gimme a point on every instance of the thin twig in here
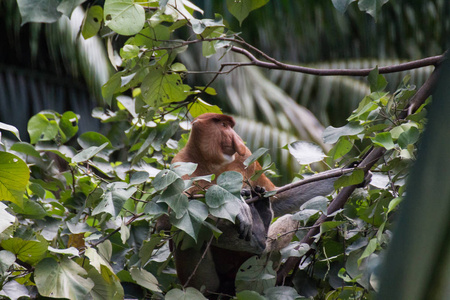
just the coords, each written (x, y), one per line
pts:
(199, 262)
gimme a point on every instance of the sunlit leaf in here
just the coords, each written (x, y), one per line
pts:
(306, 152)
(200, 107)
(14, 176)
(11, 129)
(64, 279)
(6, 219)
(27, 251)
(124, 16)
(92, 22)
(41, 128)
(159, 88)
(145, 279)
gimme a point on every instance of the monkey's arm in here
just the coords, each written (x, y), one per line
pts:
(290, 201)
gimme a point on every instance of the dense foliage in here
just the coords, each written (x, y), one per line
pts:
(78, 213)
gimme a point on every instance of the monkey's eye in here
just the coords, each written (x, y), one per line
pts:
(224, 125)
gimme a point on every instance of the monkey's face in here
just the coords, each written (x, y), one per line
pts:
(216, 139)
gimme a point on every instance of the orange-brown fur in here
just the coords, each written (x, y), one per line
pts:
(212, 136)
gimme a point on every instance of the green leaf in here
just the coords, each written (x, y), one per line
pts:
(114, 198)
(281, 292)
(145, 279)
(251, 295)
(68, 6)
(175, 198)
(341, 5)
(187, 294)
(327, 226)
(88, 153)
(139, 177)
(42, 11)
(30, 252)
(342, 147)
(161, 88)
(224, 199)
(178, 67)
(124, 16)
(26, 149)
(318, 203)
(7, 259)
(371, 247)
(111, 87)
(31, 209)
(107, 286)
(201, 26)
(11, 129)
(6, 219)
(409, 137)
(372, 7)
(394, 203)
(183, 168)
(356, 177)
(200, 107)
(255, 156)
(91, 138)
(14, 176)
(72, 251)
(241, 9)
(98, 262)
(377, 82)
(62, 280)
(151, 37)
(68, 125)
(92, 21)
(306, 152)
(128, 52)
(331, 134)
(192, 220)
(41, 128)
(165, 178)
(209, 90)
(256, 274)
(384, 139)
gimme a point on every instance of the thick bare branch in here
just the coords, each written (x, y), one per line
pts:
(276, 65)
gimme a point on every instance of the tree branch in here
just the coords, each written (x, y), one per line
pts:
(276, 65)
(313, 178)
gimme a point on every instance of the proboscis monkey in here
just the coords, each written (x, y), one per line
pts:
(215, 147)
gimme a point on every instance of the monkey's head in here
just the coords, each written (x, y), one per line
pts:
(214, 137)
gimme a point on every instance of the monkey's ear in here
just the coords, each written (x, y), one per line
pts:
(238, 145)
